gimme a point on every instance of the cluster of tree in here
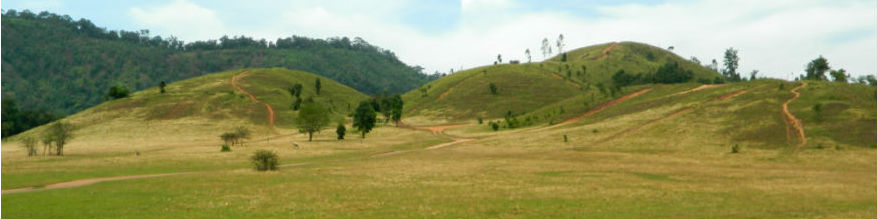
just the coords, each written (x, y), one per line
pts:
(63, 65)
(547, 50)
(53, 138)
(236, 136)
(389, 106)
(669, 73)
(312, 117)
(17, 120)
(817, 68)
(117, 92)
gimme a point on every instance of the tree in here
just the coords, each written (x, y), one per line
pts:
(546, 48)
(29, 144)
(116, 92)
(753, 75)
(364, 118)
(296, 105)
(60, 133)
(731, 63)
(622, 79)
(492, 88)
(242, 132)
(317, 86)
(839, 75)
(398, 105)
(312, 117)
(340, 130)
(161, 86)
(295, 90)
(816, 69)
(498, 58)
(714, 65)
(527, 53)
(560, 44)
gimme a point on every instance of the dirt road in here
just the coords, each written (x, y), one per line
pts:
(253, 98)
(791, 119)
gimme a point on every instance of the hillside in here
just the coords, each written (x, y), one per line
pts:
(211, 103)
(586, 76)
(63, 65)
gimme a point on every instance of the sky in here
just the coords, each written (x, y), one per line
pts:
(777, 37)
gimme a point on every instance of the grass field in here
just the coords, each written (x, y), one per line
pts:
(665, 153)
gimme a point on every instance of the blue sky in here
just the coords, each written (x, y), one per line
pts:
(776, 37)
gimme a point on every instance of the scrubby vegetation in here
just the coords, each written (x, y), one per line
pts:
(264, 160)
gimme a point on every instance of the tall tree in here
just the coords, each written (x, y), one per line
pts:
(816, 69)
(161, 86)
(731, 63)
(397, 109)
(312, 117)
(527, 53)
(546, 47)
(317, 86)
(60, 133)
(560, 44)
(498, 58)
(340, 130)
(364, 118)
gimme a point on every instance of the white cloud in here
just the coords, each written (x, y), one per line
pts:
(183, 19)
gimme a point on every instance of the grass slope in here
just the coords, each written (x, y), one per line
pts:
(525, 88)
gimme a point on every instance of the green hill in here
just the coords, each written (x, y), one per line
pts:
(62, 65)
(587, 75)
(210, 102)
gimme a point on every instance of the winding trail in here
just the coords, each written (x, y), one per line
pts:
(701, 87)
(436, 130)
(793, 121)
(253, 98)
(85, 182)
(567, 81)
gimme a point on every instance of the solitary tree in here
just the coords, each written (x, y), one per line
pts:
(731, 64)
(116, 92)
(397, 109)
(560, 43)
(317, 86)
(498, 58)
(242, 133)
(527, 53)
(753, 75)
(839, 75)
(297, 104)
(264, 160)
(816, 69)
(340, 130)
(546, 48)
(364, 118)
(312, 117)
(492, 88)
(295, 90)
(29, 144)
(161, 86)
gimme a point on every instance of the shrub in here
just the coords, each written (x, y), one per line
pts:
(480, 120)
(264, 160)
(340, 130)
(225, 148)
(564, 138)
(735, 149)
(819, 146)
(494, 126)
(493, 88)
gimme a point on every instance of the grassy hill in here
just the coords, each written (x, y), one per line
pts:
(210, 102)
(586, 75)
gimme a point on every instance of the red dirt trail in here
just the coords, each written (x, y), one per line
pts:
(606, 51)
(253, 98)
(791, 119)
(605, 105)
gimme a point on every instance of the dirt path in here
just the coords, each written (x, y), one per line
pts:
(85, 182)
(606, 51)
(701, 87)
(253, 98)
(791, 120)
(604, 106)
(567, 81)
(436, 130)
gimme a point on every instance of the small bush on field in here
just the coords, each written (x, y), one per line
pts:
(264, 160)
(735, 149)
(225, 148)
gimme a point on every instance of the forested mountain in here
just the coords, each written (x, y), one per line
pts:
(63, 65)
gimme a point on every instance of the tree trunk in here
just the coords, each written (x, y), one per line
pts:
(310, 136)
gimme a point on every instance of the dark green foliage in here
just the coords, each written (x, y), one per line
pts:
(563, 57)
(511, 120)
(839, 75)
(731, 63)
(480, 121)
(364, 118)
(492, 87)
(816, 69)
(16, 120)
(236, 136)
(735, 149)
(29, 144)
(264, 160)
(397, 106)
(312, 117)
(296, 105)
(564, 138)
(161, 86)
(295, 90)
(671, 73)
(116, 92)
(225, 148)
(718, 80)
(493, 125)
(63, 65)
(317, 86)
(340, 130)
(622, 79)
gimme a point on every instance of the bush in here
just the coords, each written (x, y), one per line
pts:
(225, 148)
(264, 160)
(480, 121)
(494, 125)
(492, 87)
(735, 149)
(564, 138)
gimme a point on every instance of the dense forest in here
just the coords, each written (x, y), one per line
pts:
(61, 65)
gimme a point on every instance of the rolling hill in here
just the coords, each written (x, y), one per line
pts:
(522, 88)
(213, 103)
